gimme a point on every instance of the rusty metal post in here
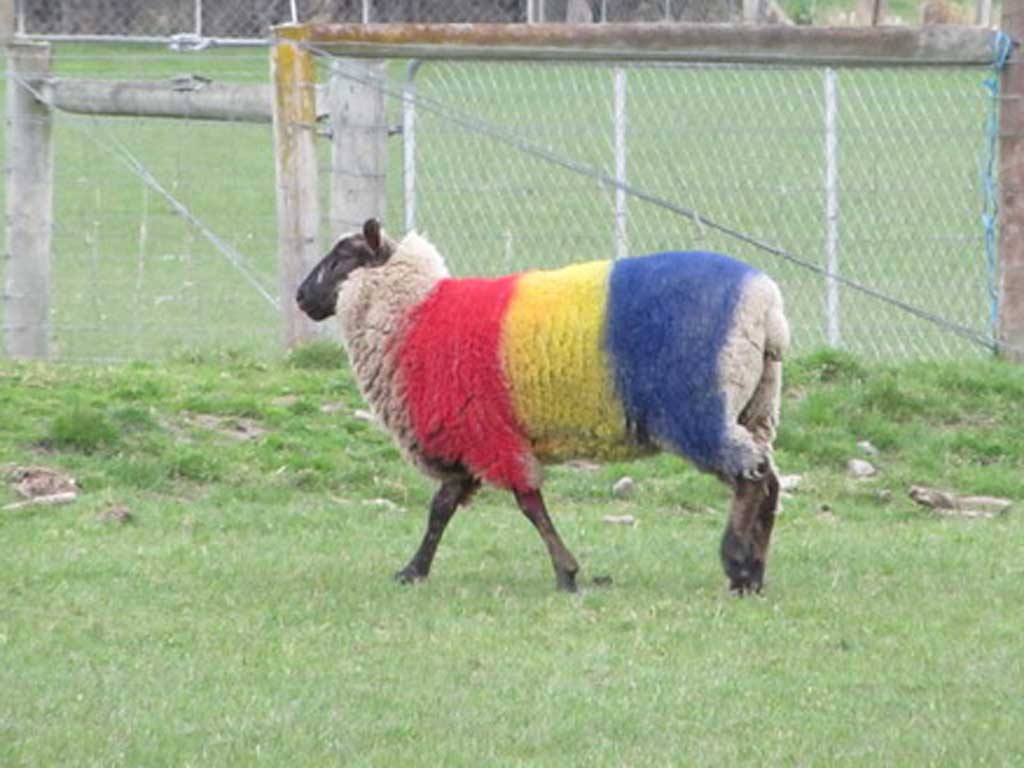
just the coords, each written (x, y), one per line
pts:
(293, 72)
(1010, 330)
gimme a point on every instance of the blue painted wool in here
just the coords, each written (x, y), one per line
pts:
(669, 316)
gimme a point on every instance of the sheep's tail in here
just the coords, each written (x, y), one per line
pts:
(760, 415)
(776, 327)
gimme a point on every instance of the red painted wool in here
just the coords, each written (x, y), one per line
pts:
(455, 388)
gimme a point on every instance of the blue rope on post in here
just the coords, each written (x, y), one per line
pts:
(1002, 47)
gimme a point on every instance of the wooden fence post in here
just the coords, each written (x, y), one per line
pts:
(359, 151)
(1011, 190)
(293, 72)
(29, 153)
(6, 20)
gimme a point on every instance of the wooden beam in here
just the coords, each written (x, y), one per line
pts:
(359, 148)
(29, 204)
(1010, 318)
(293, 72)
(838, 46)
(6, 21)
(187, 98)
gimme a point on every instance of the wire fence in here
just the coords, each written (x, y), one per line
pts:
(867, 193)
(163, 231)
(244, 20)
(864, 192)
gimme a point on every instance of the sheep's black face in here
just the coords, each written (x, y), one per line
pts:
(748, 532)
(318, 294)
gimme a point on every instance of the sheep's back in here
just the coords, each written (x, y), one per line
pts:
(670, 316)
(558, 367)
(454, 385)
(604, 359)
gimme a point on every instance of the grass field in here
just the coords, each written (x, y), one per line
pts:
(246, 615)
(744, 147)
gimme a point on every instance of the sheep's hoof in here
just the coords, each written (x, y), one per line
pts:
(566, 581)
(409, 576)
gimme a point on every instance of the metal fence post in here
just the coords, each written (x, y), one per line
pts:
(29, 153)
(832, 332)
(619, 119)
(409, 144)
(293, 72)
(1011, 190)
(359, 153)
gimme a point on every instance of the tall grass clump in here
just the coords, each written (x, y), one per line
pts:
(82, 428)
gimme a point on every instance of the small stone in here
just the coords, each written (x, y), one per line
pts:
(867, 447)
(788, 483)
(624, 487)
(385, 504)
(619, 519)
(860, 469)
(363, 415)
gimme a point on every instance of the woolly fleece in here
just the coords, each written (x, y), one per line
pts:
(675, 351)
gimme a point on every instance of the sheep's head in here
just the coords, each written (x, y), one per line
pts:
(749, 530)
(318, 294)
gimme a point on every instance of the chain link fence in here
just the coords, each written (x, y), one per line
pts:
(874, 176)
(245, 20)
(163, 231)
(864, 191)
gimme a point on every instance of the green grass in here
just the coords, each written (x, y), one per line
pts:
(741, 146)
(247, 614)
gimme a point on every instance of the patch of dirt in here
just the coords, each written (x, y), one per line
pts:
(116, 514)
(236, 427)
(34, 482)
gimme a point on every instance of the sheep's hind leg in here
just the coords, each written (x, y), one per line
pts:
(532, 505)
(449, 496)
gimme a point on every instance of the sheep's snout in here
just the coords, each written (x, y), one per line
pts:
(741, 564)
(749, 530)
(318, 304)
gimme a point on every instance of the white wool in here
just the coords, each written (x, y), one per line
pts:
(371, 305)
(750, 368)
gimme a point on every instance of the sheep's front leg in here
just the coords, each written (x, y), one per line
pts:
(532, 505)
(749, 529)
(450, 495)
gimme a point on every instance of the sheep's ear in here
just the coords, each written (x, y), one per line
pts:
(371, 231)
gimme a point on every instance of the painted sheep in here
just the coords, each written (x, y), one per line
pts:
(484, 380)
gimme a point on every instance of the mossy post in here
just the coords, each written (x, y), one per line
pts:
(29, 153)
(1011, 190)
(293, 72)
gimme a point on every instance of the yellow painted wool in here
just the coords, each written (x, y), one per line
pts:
(556, 365)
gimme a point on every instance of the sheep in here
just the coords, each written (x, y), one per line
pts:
(484, 380)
